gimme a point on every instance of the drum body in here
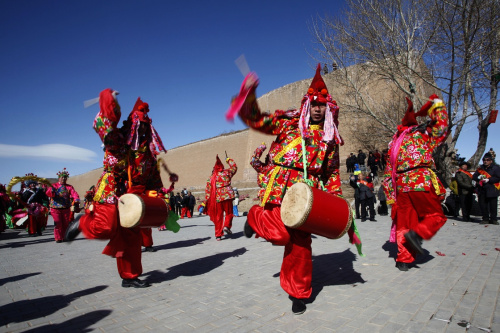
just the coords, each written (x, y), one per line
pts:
(142, 211)
(315, 211)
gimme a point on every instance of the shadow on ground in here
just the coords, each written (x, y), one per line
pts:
(392, 248)
(183, 243)
(17, 278)
(80, 323)
(194, 267)
(333, 269)
(25, 310)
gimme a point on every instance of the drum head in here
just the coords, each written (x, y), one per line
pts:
(130, 209)
(296, 205)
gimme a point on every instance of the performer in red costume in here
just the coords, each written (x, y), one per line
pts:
(62, 197)
(306, 136)
(129, 167)
(219, 197)
(411, 185)
(144, 175)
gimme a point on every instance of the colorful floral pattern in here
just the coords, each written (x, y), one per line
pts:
(61, 196)
(286, 166)
(414, 162)
(223, 189)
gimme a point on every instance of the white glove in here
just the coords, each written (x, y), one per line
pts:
(485, 180)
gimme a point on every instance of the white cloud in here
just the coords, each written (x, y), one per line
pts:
(56, 151)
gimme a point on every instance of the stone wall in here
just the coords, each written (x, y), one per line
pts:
(194, 162)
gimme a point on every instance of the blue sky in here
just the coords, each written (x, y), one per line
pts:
(177, 56)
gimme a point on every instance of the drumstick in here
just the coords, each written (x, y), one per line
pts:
(173, 176)
(90, 102)
(242, 65)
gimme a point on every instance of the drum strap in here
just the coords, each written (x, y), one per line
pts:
(276, 159)
(101, 188)
(304, 163)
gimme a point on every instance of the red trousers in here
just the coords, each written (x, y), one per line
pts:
(125, 243)
(147, 237)
(221, 208)
(296, 268)
(420, 212)
(185, 211)
(35, 224)
(61, 221)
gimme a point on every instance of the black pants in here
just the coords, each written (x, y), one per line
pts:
(466, 205)
(364, 204)
(357, 202)
(383, 208)
(456, 200)
(489, 207)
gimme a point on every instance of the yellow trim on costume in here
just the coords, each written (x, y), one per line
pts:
(100, 190)
(435, 182)
(288, 147)
(315, 127)
(276, 159)
(434, 106)
(269, 185)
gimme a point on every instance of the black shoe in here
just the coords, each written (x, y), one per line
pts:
(494, 222)
(402, 266)
(373, 220)
(298, 306)
(58, 241)
(414, 241)
(247, 230)
(149, 249)
(228, 231)
(136, 283)
(73, 230)
(363, 220)
(483, 222)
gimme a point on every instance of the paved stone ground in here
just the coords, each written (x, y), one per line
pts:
(202, 285)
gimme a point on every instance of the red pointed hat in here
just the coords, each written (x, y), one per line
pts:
(138, 115)
(218, 165)
(140, 112)
(109, 114)
(317, 90)
(409, 119)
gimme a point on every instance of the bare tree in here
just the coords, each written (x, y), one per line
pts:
(388, 49)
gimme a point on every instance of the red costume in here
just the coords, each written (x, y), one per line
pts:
(219, 197)
(62, 197)
(409, 181)
(288, 163)
(130, 166)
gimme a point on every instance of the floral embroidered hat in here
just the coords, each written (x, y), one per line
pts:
(138, 115)
(63, 173)
(318, 92)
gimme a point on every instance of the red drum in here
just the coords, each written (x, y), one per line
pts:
(315, 211)
(142, 211)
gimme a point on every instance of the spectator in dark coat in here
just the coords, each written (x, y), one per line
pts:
(192, 202)
(353, 181)
(372, 164)
(361, 158)
(178, 201)
(465, 190)
(383, 210)
(366, 198)
(487, 178)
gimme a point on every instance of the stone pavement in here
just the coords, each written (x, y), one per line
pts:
(202, 285)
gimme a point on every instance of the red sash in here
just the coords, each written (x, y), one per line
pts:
(487, 175)
(466, 172)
